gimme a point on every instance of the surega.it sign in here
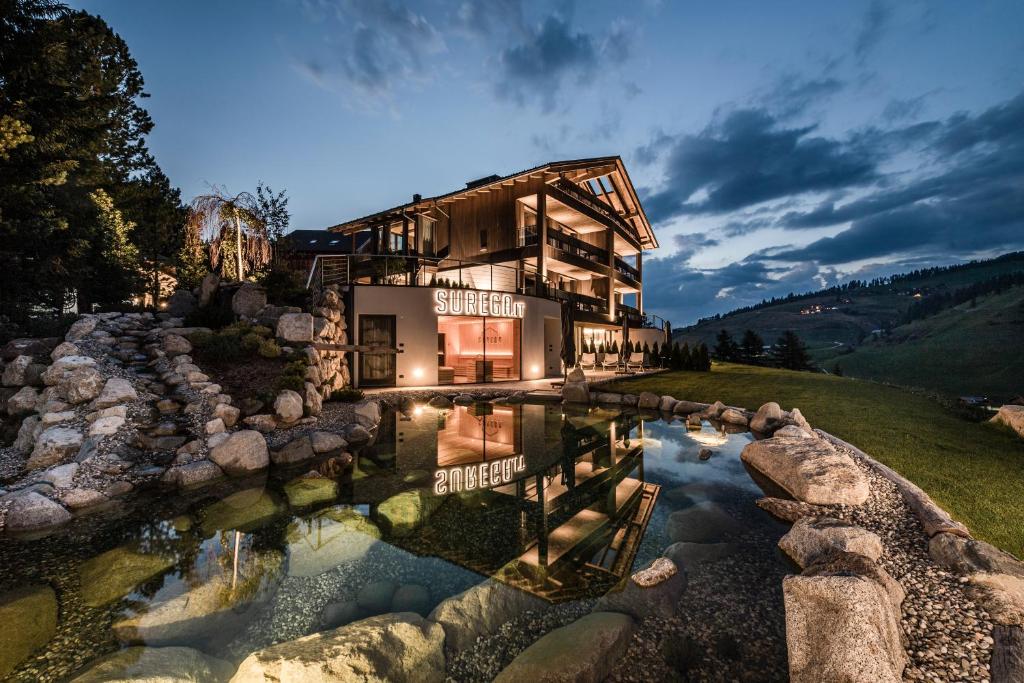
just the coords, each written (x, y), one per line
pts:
(475, 302)
(480, 475)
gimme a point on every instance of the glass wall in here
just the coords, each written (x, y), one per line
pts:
(471, 349)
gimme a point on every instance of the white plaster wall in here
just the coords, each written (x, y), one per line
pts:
(416, 329)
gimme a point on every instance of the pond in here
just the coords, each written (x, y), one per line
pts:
(562, 503)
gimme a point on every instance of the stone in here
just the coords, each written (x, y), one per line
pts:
(193, 474)
(648, 401)
(798, 420)
(296, 450)
(113, 411)
(295, 327)
(357, 435)
(810, 470)
(156, 664)
(812, 537)
(842, 629)
(28, 346)
(181, 303)
(375, 597)
(106, 426)
(328, 539)
(1007, 654)
(210, 612)
(840, 563)
(261, 423)
(339, 613)
(82, 498)
(733, 416)
(288, 407)
(15, 371)
(306, 491)
(81, 328)
(693, 421)
(576, 392)
(244, 452)
(1009, 415)
(402, 648)
(480, 611)
(404, 513)
(790, 510)
(667, 404)
(576, 375)
(766, 418)
(793, 432)
(311, 399)
(214, 426)
(33, 511)
(411, 598)
(22, 402)
(228, 414)
(243, 510)
(116, 390)
(704, 522)
(608, 398)
(118, 488)
(440, 402)
(966, 556)
(1002, 596)
(80, 385)
(176, 345)
(61, 476)
(367, 413)
(54, 445)
(326, 442)
(114, 574)
(27, 433)
(65, 365)
(686, 554)
(650, 592)
(248, 300)
(29, 618)
(688, 407)
(585, 651)
(64, 349)
(713, 411)
(208, 288)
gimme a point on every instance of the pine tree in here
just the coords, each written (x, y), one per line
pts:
(751, 347)
(725, 347)
(685, 359)
(615, 347)
(655, 353)
(789, 352)
(703, 359)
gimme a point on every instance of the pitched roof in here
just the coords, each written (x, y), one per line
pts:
(321, 241)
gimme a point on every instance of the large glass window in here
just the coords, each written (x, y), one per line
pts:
(473, 350)
(425, 228)
(377, 369)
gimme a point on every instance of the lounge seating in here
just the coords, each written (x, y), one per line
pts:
(588, 361)
(636, 361)
(610, 360)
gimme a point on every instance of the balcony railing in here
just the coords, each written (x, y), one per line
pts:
(577, 247)
(595, 204)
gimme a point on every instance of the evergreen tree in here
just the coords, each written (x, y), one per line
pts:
(702, 361)
(751, 347)
(789, 352)
(725, 347)
(666, 354)
(655, 353)
(685, 360)
(615, 346)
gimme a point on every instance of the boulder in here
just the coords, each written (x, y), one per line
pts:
(326, 442)
(193, 474)
(27, 433)
(22, 402)
(404, 513)
(65, 365)
(403, 648)
(766, 418)
(798, 420)
(105, 426)
(667, 404)
(82, 498)
(357, 435)
(608, 398)
(306, 491)
(81, 328)
(15, 372)
(367, 413)
(294, 451)
(713, 411)
(840, 563)
(156, 665)
(214, 426)
(208, 288)
(261, 423)
(1009, 415)
(966, 556)
(810, 470)
(654, 591)
(60, 477)
(440, 402)
(576, 392)
(227, 413)
(411, 598)
(481, 611)
(29, 618)
(248, 300)
(688, 407)
(181, 303)
(114, 574)
(584, 652)
(32, 511)
(842, 629)
(794, 432)
(288, 407)
(54, 445)
(64, 349)
(375, 597)
(176, 345)
(116, 390)
(1002, 596)
(704, 522)
(629, 400)
(80, 385)
(311, 399)
(733, 416)
(242, 453)
(243, 510)
(812, 537)
(648, 401)
(28, 346)
(295, 327)
(211, 612)
(790, 510)
(330, 538)
(576, 375)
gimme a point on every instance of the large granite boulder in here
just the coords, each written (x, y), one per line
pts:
(812, 537)
(790, 510)
(327, 540)
(326, 442)
(208, 288)
(584, 652)
(810, 470)
(967, 556)
(22, 402)
(249, 300)
(81, 328)
(308, 490)
(65, 365)
(15, 372)
(176, 345)
(1011, 416)
(156, 665)
(80, 385)
(53, 446)
(296, 450)
(841, 563)
(288, 407)
(181, 303)
(295, 327)
(213, 611)
(244, 452)
(401, 647)
(842, 629)
(767, 418)
(404, 513)
(654, 591)
(367, 413)
(1002, 596)
(29, 618)
(576, 392)
(193, 474)
(116, 390)
(733, 416)
(241, 511)
(481, 611)
(687, 554)
(648, 401)
(115, 573)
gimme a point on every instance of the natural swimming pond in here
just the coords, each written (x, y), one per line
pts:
(562, 503)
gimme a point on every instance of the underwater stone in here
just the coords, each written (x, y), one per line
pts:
(116, 573)
(29, 618)
(156, 664)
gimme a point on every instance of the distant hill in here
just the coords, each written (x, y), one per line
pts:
(956, 330)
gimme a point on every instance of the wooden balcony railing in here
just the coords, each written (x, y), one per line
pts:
(595, 204)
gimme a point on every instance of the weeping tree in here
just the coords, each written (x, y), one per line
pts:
(235, 229)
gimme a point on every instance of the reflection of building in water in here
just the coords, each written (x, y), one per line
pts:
(554, 504)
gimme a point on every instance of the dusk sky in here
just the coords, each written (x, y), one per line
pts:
(777, 146)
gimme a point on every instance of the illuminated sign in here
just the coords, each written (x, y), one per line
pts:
(480, 475)
(473, 302)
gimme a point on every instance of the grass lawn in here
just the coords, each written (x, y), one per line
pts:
(975, 471)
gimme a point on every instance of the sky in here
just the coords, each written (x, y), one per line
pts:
(777, 147)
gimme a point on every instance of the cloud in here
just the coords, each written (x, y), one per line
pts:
(691, 243)
(748, 158)
(793, 94)
(875, 22)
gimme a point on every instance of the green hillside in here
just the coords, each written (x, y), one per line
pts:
(961, 350)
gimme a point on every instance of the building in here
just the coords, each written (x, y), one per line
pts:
(471, 286)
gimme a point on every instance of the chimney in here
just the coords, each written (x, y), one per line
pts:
(417, 198)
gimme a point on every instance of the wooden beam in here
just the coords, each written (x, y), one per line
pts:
(542, 238)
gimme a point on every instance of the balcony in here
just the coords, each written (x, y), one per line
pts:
(595, 207)
(569, 244)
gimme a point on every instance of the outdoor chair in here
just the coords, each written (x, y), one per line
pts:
(588, 361)
(610, 360)
(636, 361)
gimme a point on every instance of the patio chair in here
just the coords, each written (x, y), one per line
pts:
(636, 361)
(610, 360)
(588, 361)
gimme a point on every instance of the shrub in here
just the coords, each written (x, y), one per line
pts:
(221, 348)
(268, 348)
(293, 382)
(262, 330)
(346, 395)
(250, 343)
